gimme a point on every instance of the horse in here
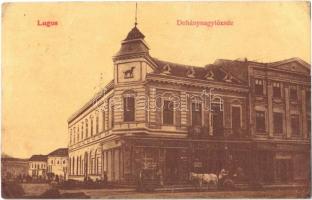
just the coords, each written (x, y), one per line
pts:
(129, 73)
(209, 179)
(204, 178)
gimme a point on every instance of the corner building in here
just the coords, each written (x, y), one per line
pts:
(245, 116)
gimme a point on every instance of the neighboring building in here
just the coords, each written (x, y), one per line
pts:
(57, 163)
(245, 116)
(38, 166)
(13, 167)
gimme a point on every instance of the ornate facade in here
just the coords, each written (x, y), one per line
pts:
(251, 118)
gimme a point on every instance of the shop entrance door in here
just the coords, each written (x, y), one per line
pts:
(176, 167)
(283, 170)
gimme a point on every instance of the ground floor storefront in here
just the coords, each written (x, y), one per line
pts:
(170, 161)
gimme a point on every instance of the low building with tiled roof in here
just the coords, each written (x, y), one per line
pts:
(13, 167)
(57, 163)
(38, 166)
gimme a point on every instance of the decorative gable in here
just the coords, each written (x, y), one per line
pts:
(293, 65)
(209, 75)
(166, 69)
(190, 72)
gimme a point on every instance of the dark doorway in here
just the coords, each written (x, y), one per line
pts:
(284, 170)
(176, 169)
(86, 165)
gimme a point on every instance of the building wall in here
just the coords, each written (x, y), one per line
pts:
(37, 168)
(13, 168)
(57, 165)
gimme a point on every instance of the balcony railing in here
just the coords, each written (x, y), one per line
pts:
(202, 132)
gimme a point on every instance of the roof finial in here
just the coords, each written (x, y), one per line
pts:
(136, 13)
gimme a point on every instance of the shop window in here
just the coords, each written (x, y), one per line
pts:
(277, 93)
(129, 109)
(295, 125)
(278, 123)
(168, 112)
(259, 87)
(260, 121)
(293, 93)
(196, 114)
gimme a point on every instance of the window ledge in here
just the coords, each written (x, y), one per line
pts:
(295, 102)
(277, 99)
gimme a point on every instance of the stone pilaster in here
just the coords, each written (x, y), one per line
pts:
(287, 113)
(183, 99)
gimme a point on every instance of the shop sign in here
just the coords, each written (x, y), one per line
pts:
(198, 164)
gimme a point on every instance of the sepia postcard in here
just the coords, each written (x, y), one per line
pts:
(156, 100)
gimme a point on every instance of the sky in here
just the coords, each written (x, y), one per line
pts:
(48, 73)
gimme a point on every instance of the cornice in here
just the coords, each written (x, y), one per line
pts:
(197, 83)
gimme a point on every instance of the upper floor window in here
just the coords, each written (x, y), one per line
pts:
(112, 116)
(91, 126)
(97, 124)
(260, 121)
(277, 92)
(82, 130)
(278, 123)
(78, 133)
(293, 93)
(295, 125)
(70, 136)
(259, 87)
(308, 97)
(74, 135)
(87, 128)
(196, 114)
(236, 118)
(168, 112)
(129, 109)
(103, 119)
(309, 128)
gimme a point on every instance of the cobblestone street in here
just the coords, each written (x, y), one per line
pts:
(124, 193)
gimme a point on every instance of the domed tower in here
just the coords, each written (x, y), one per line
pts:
(132, 61)
(131, 64)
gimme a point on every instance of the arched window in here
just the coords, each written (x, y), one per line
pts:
(73, 166)
(217, 116)
(129, 108)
